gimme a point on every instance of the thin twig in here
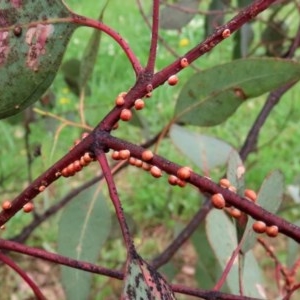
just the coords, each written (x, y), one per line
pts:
(9, 262)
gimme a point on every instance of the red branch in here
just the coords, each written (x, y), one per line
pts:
(9, 262)
(205, 185)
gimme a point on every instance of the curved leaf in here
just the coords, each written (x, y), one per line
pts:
(33, 38)
(84, 227)
(206, 152)
(213, 95)
(178, 15)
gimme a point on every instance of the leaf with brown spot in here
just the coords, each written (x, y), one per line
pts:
(213, 95)
(33, 39)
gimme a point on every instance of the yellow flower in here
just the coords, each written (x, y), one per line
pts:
(184, 42)
(64, 100)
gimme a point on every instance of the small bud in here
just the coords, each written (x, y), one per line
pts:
(146, 166)
(120, 100)
(28, 207)
(115, 155)
(235, 213)
(250, 194)
(184, 62)
(88, 157)
(148, 95)
(115, 126)
(184, 173)
(259, 226)
(218, 201)
(2, 227)
(83, 162)
(155, 172)
(124, 154)
(139, 104)
(71, 169)
(126, 114)
(181, 183)
(149, 88)
(57, 174)
(173, 180)
(6, 205)
(147, 155)
(173, 80)
(224, 183)
(272, 231)
(232, 188)
(76, 142)
(77, 166)
(84, 135)
(42, 188)
(65, 172)
(132, 160)
(226, 33)
(138, 163)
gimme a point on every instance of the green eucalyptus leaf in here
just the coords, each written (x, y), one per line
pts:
(213, 95)
(84, 227)
(179, 14)
(33, 39)
(205, 151)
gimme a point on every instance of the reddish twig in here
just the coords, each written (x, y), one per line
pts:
(9, 262)
(205, 185)
(59, 259)
(84, 21)
(100, 155)
(154, 38)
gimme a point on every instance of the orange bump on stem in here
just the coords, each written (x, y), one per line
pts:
(224, 183)
(139, 104)
(184, 62)
(250, 194)
(272, 231)
(181, 183)
(120, 101)
(234, 212)
(138, 163)
(65, 172)
(146, 166)
(172, 180)
(147, 155)
(2, 227)
(218, 201)
(173, 80)
(6, 205)
(155, 172)
(124, 154)
(42, 188)
(184, 173)
(28, 207)
(115, 155)
(259, 227)
(226, 33)
(126, 114)
(88, 157)
(232, 188)
(77, 166)
(132, 160)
